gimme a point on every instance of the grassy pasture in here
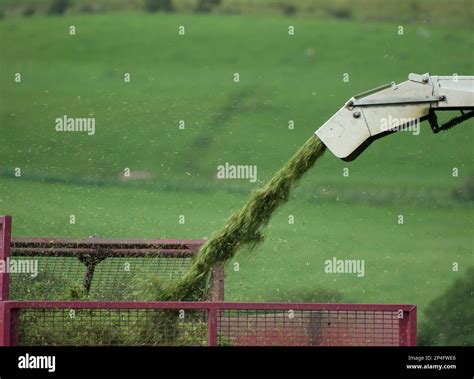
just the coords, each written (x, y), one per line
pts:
(190, 78)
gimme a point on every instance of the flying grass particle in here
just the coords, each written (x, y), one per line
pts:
(243, 228)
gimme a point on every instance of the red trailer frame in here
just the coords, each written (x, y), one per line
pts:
(244, 324)
(87, 256)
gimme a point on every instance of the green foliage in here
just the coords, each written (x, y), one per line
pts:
(205, 6)
(74, 292)
(146, 288)
(159, 5)
(58, 7)
(426, 12)
(28, 11)
(192, 334)
(449, 319)
(42, 287)
(466, 192)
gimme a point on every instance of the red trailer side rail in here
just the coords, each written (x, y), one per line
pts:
(211, 323)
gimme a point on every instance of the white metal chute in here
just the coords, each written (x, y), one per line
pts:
(392, 107)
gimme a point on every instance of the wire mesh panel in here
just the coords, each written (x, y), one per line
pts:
(112, 327)
(100, 269)
(264, 328)
(120, 278)
(308, 328)
(56, 276)
(208, 323)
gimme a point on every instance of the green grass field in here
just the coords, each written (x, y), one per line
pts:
(190, 78)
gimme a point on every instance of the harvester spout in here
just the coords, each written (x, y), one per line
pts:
(392, 107)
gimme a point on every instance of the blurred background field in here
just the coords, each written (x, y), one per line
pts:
(439, 12)
(282, 78)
